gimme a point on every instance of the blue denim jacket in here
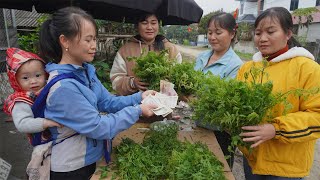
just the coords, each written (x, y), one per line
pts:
(227, 66)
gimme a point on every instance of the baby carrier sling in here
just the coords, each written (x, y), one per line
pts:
(38, 110)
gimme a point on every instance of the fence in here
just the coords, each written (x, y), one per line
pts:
(8, 38)
(108, 45)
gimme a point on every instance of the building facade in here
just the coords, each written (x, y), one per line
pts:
(253, 8)
(256, 6)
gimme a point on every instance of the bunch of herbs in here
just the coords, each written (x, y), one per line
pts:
(186, 80)
(158, 155)
(195, 161)
(152, 68)
(232, 104)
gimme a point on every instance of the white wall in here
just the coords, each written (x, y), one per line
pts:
(246, 47)
(313, 33)
(202, 40)
(250, 8)
(286, 3)
(307, 3)
(278, 3)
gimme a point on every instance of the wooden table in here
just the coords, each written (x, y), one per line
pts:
(199, 134)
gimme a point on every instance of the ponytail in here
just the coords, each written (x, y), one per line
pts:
(50, 49)
(292, 42)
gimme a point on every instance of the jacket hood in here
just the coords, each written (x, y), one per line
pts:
(291, 53)
(81, 71)
(68, 68)
(15, 58)
(138, 39)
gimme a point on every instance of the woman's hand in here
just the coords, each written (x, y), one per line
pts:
(48, 123)
(258, 134)
(140, 85)
(147, 109)
(147, 93)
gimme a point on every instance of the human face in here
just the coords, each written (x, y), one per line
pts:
(149, 28)
(269, 36)
(83, 47)
(219, 38)
(31, 76)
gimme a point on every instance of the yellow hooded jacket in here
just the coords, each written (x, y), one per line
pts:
(290, 153)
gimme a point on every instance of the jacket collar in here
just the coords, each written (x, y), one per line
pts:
(223, 60)
(65, 68)
(138, 39)
(291, 53)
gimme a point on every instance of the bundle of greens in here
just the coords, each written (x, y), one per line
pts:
(232, 104)
(186, 80)
(152, 68)
(195, 161)
(163, 156)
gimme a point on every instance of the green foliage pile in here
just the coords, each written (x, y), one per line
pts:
(195, 162)
(154, 67)
(232, 104)
(186, 80)
(162, 156)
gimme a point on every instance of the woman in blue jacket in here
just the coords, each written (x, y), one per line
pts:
(69, 40)
(221, 60)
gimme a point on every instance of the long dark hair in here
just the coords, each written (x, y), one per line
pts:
(225, 21)
(284, 17)
(158, 42)
(66, 21)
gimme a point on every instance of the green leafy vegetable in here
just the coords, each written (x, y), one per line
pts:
(163, 156)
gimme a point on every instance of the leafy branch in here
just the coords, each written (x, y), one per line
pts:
(232, 104)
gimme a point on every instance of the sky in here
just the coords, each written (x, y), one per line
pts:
(213, 5)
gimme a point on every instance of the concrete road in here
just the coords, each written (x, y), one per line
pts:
(14, 148)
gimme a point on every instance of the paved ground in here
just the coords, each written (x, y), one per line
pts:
(14, 148)
(190, 53)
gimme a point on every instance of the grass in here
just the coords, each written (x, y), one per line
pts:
(244, 56)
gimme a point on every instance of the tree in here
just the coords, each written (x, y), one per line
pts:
(204, 22)
(305, 16)
(181, 33)
(30, 41)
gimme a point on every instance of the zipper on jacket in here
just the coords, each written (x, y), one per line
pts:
(94, 143)
(88, 78)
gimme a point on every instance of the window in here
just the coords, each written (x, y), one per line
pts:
(241, 8)
(261, 5)
(318, 3)
(294, 5)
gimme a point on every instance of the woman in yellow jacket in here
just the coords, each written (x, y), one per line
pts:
(283, 149)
